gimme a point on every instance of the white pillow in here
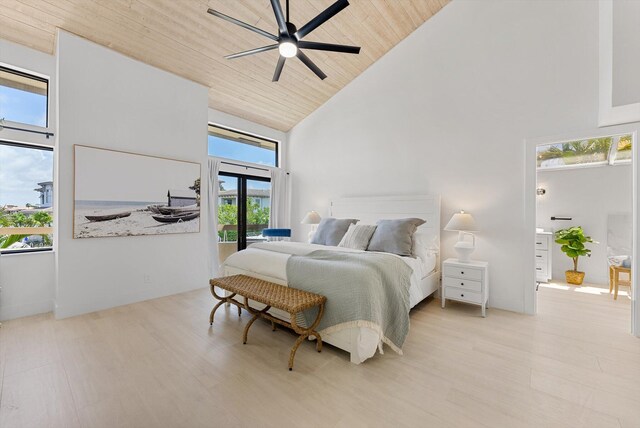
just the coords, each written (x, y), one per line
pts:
(358, 236)
(424, 245)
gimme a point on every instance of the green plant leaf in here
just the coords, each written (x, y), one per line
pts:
(572, 242)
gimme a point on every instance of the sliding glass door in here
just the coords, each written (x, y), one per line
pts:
(258, 204)
(244, 203)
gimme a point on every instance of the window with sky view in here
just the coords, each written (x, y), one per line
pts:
(26, 171)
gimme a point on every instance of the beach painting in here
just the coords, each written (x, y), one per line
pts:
(126, 194)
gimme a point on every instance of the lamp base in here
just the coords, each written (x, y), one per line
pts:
(464, 250)
(314, 227)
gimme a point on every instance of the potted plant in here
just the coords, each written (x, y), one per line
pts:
(572, 241)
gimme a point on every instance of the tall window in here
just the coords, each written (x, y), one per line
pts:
(592, 152)
(230, 144)
(23, 98)
(26, 197)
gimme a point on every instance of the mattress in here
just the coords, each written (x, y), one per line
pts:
(270, 260)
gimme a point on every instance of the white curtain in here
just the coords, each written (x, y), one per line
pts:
(279, 216)
(212, 199)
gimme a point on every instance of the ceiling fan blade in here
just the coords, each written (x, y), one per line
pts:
(279, 67)
(282, 23)
(323, 17)
(329, 47)
(242, 24)
(252, 51)
(305, 59)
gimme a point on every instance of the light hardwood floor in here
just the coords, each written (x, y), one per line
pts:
(157, 364)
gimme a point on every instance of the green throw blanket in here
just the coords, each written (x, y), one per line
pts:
(362, 289)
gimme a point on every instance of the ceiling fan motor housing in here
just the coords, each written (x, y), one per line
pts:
(289, 39)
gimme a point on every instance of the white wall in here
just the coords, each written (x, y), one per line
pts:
(109, 100)
(626, 45)
(28, 284)
(27, 280)
(446, 111)
(588, 195)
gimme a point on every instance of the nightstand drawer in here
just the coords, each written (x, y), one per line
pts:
(541, 256)
(466, 284)
(541, 269)
(464, 295)
(463, 272)
(542, 243)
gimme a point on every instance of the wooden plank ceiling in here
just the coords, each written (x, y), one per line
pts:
(180, 37)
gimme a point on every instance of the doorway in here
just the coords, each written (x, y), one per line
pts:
(583, 181)
(244, 205)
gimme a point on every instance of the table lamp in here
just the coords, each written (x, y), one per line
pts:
(464, 224)
(312, 218)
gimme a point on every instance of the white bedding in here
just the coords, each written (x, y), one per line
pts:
(273, 263)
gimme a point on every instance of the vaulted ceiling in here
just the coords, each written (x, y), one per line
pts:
(180, 37)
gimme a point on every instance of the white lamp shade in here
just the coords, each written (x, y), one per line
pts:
(312, 217)
(461, 222)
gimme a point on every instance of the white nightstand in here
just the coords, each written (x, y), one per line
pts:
(466, 282)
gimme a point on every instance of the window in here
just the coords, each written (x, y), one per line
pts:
(23, 98)
(26, 197)
(226, 143)
(243, 212)
(592, 152)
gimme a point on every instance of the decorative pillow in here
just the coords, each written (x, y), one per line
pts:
(331, 230)
(358, 236)
(395, 236)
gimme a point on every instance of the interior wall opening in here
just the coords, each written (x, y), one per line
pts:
(584, 227)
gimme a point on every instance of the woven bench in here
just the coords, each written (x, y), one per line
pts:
(272, 295)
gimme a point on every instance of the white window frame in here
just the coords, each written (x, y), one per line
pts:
(613, 150)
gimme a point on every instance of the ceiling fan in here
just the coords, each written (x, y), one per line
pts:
(289, 39)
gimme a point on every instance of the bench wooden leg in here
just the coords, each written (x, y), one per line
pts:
(304, 333)
(213, 311)
(256, 314)
(223, 299)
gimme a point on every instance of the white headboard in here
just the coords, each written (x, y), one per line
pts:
(371, 209)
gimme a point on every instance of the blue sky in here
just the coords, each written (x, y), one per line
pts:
(238, 151)
(24, 107)
(21, 169)
(233, 150)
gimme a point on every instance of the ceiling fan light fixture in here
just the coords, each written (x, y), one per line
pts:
(288, 49)
(289, 39)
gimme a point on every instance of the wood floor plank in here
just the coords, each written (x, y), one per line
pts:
(158, 363)
(38, 397)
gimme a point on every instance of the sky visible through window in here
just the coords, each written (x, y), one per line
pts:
(23, 107)
(230, 149)
(21, 169)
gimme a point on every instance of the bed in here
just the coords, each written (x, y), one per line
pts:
(269, 261)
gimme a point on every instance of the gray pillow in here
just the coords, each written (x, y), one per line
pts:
(358, 236)
(395, 236)
(331, 230)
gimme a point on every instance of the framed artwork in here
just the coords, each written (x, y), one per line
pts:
(118, 193)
